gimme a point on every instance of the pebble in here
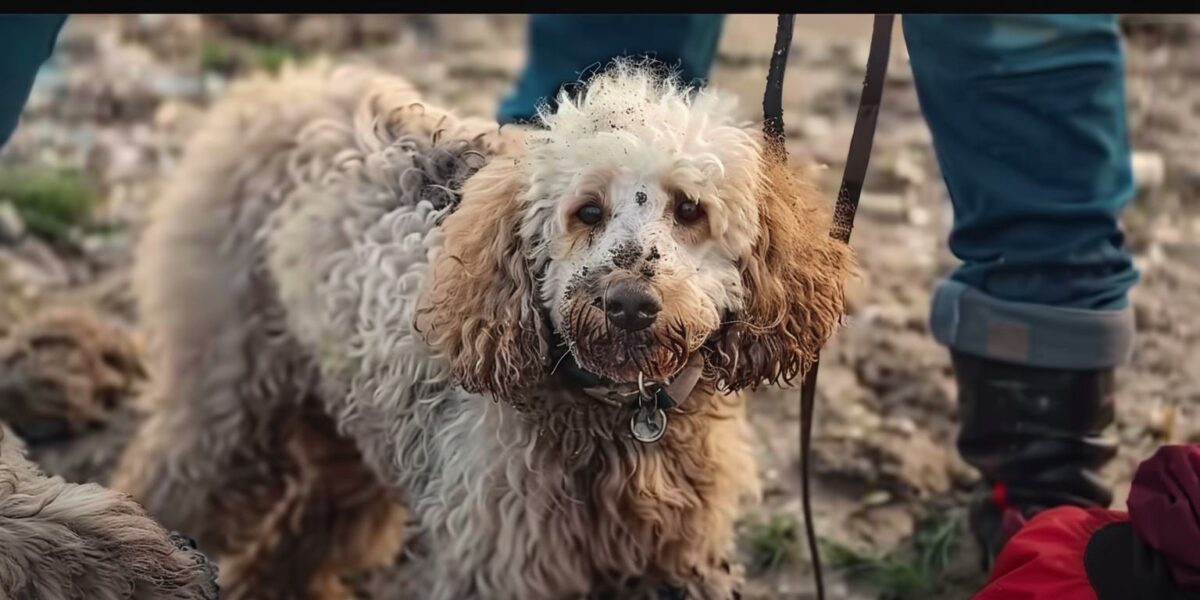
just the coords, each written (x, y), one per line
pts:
(877, 498)
(12, 226)
(902, 425)
(1161, 421)
(907, 167)
(890, 206)
(814, 126)
(919, 216)
(1149, 170)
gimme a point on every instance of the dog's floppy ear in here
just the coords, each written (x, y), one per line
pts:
(480, 306)
(793, 281)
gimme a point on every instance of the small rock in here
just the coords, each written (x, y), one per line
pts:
(12, 227)
(897, 171)
(919, 216)
(1132, 433)
(1185, 252)
(907, 166)
(1162, 421)
(860, 53)
(177, 119)
(173, 85)
(320, 31)
(35, 266)
(1149, 170)
(902, 425)
(877, 498)
(892, 207)
(814, 126)
(214, 84)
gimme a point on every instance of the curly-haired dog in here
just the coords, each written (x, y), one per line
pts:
(83, 542)
(475, 311)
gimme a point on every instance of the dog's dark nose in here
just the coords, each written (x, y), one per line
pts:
(630, 306)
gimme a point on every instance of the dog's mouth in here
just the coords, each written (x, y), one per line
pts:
(654, 353)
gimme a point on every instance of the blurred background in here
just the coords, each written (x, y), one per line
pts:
(112, 109)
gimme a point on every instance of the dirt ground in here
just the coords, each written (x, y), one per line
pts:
(123, 93)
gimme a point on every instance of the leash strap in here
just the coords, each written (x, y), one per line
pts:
(864, 130)
(857, 159)
(773, 96)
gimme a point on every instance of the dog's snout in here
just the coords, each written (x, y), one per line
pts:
(631, 306)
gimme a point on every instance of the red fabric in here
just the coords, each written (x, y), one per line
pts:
(1164, 505)
(1000, 495)
(1044, 560)
(1011, 522)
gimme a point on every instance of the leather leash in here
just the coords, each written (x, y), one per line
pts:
(857, 158)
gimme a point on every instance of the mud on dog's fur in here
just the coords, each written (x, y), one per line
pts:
(352, 296)
(84, 542)
(67, 381)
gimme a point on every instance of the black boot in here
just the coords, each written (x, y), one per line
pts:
(1036, 434)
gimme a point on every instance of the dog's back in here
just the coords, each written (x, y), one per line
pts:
(243, 292)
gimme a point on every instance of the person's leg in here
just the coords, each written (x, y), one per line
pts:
(563, 49)
(26, 41)
(1027, 114)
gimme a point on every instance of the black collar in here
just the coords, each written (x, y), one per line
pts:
(665, 395)
(562, 364)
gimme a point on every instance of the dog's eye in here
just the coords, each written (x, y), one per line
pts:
(590, 213)
(687, 210)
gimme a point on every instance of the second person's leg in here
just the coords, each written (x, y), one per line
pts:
(26, 41)
(563, 49)
(1028, 120)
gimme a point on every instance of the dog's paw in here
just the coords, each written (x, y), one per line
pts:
(717, 582)
(206, 584)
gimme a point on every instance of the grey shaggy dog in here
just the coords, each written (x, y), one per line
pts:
(352, 300)
(67, 541)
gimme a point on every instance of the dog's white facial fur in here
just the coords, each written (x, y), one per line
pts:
(638, 146)
(755, 283)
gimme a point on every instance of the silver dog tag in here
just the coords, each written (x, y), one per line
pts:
(648, 424)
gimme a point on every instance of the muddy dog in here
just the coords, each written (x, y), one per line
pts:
(527, 345)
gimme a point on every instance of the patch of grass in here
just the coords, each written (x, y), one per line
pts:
(772, 542)
(50, 202)
(272, 57)
(907, 573)
(217, 57)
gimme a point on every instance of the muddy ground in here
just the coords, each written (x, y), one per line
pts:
(123, 93)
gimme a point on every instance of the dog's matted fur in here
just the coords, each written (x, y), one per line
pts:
(332, 251)
(83, 542)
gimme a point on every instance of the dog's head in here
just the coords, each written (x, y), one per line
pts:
(641, 225)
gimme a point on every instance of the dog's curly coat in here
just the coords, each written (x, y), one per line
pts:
(332, 250)
(83, 542)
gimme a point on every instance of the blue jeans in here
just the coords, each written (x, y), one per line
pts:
(1027, 114)
(566, 48)
(26, 41)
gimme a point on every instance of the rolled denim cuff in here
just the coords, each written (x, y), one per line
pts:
(970, 321)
